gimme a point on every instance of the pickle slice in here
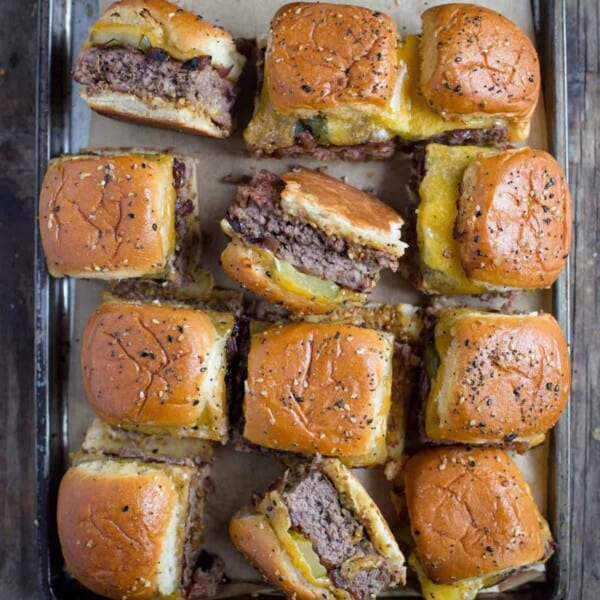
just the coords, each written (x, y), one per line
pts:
(291, 279)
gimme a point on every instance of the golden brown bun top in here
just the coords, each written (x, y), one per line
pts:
(342, 210)
(506, 375)
(471, 513)
(107, 214)
(514, 219)
(318, 388)
(323, 55)
(145, 364)
(475, 61)
(112, 523)
(178, 32)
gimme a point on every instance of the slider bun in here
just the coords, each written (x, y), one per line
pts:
(252, 534)
(157, 369)
(320, 388)
(178, 32)
(85, 209)
(163, 113)
(342, 211)
(501, 378)
(477, 63)
(471, 513)
(249, 267)
(121, 527)
(522, 235)
(312, 62)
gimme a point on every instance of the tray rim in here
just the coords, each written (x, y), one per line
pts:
(52, 296)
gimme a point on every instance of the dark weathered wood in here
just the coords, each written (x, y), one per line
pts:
(583, 33)
(17, 118)
(18, 578)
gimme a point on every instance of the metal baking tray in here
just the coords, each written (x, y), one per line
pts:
(62, 124)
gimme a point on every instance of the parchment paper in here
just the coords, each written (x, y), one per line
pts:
(238, 475)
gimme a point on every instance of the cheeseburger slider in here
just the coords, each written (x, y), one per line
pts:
(473, 519)
(131, 529)
(316, 534)
(119, 215)
(329, 76)
(308, 241)
(159, 369)
(338, 83)
(488, 219)
(471, 77)
(152, 62)
(494, 379)
(320, 388)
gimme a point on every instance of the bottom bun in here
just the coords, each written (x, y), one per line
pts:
(256, 269)
(254, 537)
(164, 114)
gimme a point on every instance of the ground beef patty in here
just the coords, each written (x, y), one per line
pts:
(155, 74)
(335, 533)
(257, 216)
(488, 136)
(305, 144)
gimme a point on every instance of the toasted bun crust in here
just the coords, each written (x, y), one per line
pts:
(514, 219)
(158, 368)
(161, 113)
(342, 210)
(253, 536)
(320, 389)
(178, 32)
(245, 265)
(114, 523)
(502, 377)
(475, 62)
(108, 217)
(314, 62)
(471, 513)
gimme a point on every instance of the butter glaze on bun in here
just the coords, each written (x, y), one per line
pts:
(317, 388)
(157, 369)
(476, 62)
(324, 55)
(514, 219)
(471, 514)
(122, 527)
(501, 379)
(108, 216)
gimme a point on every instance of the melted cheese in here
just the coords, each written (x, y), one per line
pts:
(408, 115)
(461, 590)
(412, 119)
(441, 267)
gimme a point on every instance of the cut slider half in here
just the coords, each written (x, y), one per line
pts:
(308, 241)
(152, 62)
(316, 534)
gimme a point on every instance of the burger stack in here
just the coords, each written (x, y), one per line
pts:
(300, 365)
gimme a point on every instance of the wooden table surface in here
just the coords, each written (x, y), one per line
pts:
(18, 23)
